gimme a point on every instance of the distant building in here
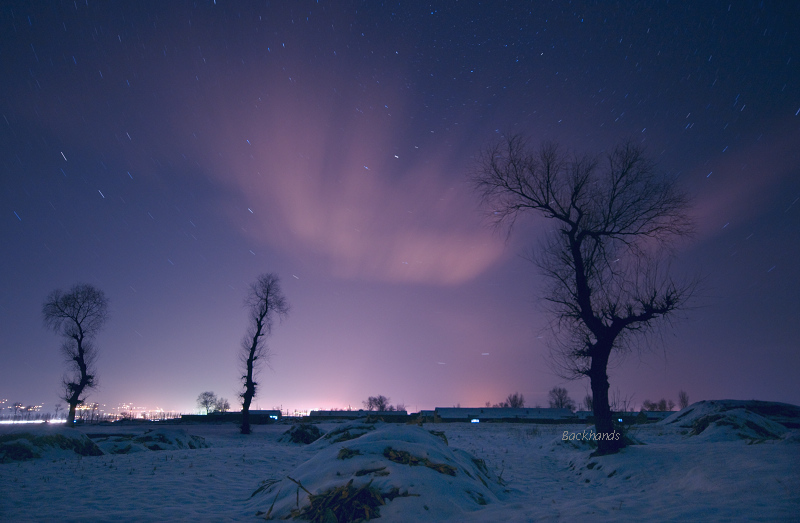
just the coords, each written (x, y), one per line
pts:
(257, 417)
(657, 415)
(532, 415)
(587, 416)
(386, 415)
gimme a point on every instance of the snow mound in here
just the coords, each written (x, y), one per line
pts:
(45, 442)
(730, 420)
(348, 431)
(784, 413)
(736, 424)
(401, 471)
(157, 439)
(302, 433)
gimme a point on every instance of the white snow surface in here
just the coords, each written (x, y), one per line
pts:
(531, 474)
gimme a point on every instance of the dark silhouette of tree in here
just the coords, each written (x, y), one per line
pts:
(683, 399)
(587, 402)
(222, 405)
(77, 316)
(380, 403)
(559, 399)
(207, 400)
(264, 302)
(613, 220)
(514, 401)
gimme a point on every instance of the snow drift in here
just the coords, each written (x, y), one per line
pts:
(158, 439)
(733, 420)
(393, 470)
(32, 442)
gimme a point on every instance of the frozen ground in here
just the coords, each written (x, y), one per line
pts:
(710, 464)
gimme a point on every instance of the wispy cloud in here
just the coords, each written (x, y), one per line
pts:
(738, 186)
(340, 185)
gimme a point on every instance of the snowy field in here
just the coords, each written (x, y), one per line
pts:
(711, 462)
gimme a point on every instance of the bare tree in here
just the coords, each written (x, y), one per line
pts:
(265, 302)
(559, 399)
(222, 405)
(77, 316)
(613, 220)
(515, 401)
(683, 399)
(207, 400)
(380, 403)
(587, 402)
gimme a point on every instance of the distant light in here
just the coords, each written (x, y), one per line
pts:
(273, 416)
(476, 420)
(620, 420)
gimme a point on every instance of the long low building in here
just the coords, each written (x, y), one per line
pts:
(320, 415)
(257, 417)
(530, 415)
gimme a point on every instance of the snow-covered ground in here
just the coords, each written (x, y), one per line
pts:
(710, 462)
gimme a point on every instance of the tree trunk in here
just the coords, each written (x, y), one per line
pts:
(248, 395)
(71, 416)
(609, 440)
(246, 399)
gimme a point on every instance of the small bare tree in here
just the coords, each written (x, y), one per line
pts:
(380, 403)
(559, 399)
(265, 302)
(77, 316)
(612, 221)
(515, 401)
(683, 399)
(207, 400)
(222, 405)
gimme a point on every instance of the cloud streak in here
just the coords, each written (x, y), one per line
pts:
(329, 177)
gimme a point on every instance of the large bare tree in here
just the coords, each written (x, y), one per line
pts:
(613, 221)
(264, 302)
(77, 315)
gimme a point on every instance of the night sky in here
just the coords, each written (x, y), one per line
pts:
(170, 152)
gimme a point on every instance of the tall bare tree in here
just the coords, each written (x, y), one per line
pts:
(77, 316)
(613, 221)
(264, 302)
